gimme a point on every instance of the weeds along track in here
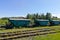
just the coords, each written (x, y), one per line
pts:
(26, 33)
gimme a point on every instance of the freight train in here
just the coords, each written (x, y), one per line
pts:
(26, 23)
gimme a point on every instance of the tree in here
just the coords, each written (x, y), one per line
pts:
(48, 16)
(37, 16)
(43, 16)
(5, 18)
(28, 16)
(55, 18)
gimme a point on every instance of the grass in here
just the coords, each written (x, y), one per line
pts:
(55, 36)
(21, 29)
(48, 37)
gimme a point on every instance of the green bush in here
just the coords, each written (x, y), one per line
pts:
(3, 22)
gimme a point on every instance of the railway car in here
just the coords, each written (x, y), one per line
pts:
(19, 22)
(40, 22)
(13, 22)
(54, 22)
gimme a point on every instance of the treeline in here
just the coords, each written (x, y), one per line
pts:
(47, 16)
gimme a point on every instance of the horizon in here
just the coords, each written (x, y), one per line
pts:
(12, 8)
(53, 15)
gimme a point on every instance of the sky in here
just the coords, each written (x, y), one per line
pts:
(11, 8)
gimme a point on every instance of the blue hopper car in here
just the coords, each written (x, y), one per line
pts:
(42, 22)
(20, 22)
(55, 22)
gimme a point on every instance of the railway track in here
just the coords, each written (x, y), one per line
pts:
(26, 33)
